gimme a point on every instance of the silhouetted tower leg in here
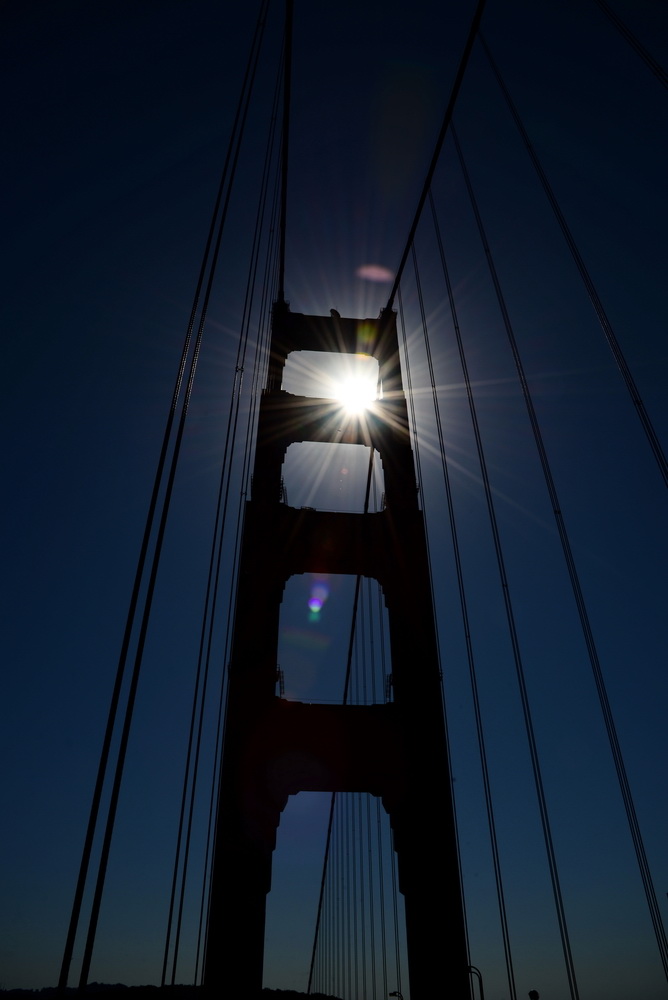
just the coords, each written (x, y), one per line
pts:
(274, 748)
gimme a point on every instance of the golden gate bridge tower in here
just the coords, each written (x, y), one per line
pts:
(275, 748)
(397, 750)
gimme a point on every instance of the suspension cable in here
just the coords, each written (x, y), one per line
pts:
(395, 910)
(344, 701)
(519, 670)
(594, 298)
(289, 7)
(379, 838)
(649, 60)
(461, 588)
(125, 734)
(214, 574)
(148, 529)
(599, 681)
(259, 367)
(447, 117)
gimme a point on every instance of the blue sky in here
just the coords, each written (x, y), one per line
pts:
(116, 130)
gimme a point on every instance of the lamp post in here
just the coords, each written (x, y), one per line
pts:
(477, 972)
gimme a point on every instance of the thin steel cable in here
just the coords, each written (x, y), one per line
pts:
(148, 531)
(125, 734)
(521, 680)
(447, 117)
(381, 899)
(395, 910)
(287, 84)
(416, 446)
(371, 895)
(368, 685)
(606, 710)
(261, 353)
(323, 879)
(363, 909)
(345, 883)
(338, 968)
(463, 604)
(379, 832)
(259, 366)
(594, 298)
(214, 575)
(655, 67)
(194, 734)
(344, 701)
(355, 881)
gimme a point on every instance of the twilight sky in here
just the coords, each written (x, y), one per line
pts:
(116, 121)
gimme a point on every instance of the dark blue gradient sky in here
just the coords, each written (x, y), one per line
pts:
(115, 120)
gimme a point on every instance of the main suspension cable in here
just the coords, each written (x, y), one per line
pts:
(447, 117)
(655, 67)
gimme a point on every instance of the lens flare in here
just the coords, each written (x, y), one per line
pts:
(375, 272)
(318, 596)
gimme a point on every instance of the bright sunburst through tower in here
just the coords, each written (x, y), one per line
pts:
(350, 379)
(357, 386)
(355, 393)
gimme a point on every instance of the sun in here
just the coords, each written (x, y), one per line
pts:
(355, 385)
(356, 393)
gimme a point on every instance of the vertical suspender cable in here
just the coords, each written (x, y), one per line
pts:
(519, 670)
(594, 298)
(459, 572)
(287, 83)
(599, 681)
(418, 465)
(148, 530)
(395, 910)
(213, 580)
(125, 734)
(261, 352)
(344, 700)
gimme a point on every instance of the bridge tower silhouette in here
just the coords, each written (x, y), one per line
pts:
(274, 748)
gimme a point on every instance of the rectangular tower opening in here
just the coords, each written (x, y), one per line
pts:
(359, 940)
(314, 638)
(321, 375)
(332, 477)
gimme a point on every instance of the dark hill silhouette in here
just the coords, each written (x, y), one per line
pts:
(119, 991)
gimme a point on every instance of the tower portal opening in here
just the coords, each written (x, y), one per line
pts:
(352, 379)
(332, 476)
(314, 637)
(362, 935)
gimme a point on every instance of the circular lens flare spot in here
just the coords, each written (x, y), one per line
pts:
(319, 592)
